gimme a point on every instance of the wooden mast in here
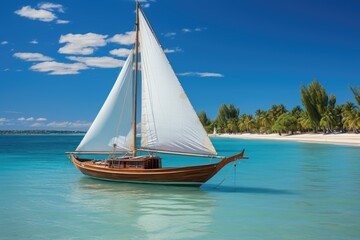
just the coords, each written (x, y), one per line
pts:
(136, 72)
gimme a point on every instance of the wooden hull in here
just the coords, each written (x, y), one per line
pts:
(193, 175)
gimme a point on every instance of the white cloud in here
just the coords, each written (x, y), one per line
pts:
(67, 124)
(101, 62)
(127, 38)
(186, 30)
(83, 44)
(121, 52)
(4, 121)
(41, 119)
(34, 41)
(32, 57)
(26, 119)
(62, 21)
(201, 74)
(35, 14)
(173, 50)
(37, 124)
(169, 34)
(146, 3)
(56, 68)
(198, 29)
(51, 7)
(4, 42)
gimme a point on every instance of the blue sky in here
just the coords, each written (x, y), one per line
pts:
(59, 59)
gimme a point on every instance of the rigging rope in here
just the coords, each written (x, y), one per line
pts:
(226, 175)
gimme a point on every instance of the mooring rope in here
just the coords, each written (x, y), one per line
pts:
(226, 175)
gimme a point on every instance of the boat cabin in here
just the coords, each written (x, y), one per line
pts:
(140, 162)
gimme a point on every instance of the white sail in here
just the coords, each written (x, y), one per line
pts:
(168, 120)
(112, 129)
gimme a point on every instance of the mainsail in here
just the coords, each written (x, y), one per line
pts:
(168, 120)
(112, 129)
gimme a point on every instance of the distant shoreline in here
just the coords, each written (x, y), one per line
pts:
(349, 139)
(38, 132)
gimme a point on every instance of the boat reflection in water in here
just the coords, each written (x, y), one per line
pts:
(145, 211)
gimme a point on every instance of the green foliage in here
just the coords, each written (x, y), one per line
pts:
(296, 112)
(205, 121)
(304, 122)
(227, 118)
(328, 120)
(320, 111)
(351, 117)
(285, 123)
(246, 123)
(356, 92)
(315, 101)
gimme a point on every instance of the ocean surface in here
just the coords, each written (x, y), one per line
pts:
(286, 190)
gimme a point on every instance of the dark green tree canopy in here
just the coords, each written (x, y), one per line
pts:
(356, 92)
(285, 123)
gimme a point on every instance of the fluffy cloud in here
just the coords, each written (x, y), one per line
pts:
(169, 34)
(198, 29)
(4, 121)
(26, 119)
(45, 12)
(126, 39)
(121, 52)
(34, 42)
(56, 68)
(83, 44)
(41, 119)
(145, 3)
(37, 124)
(101, 62)
(52, 7)
(201, 74)
(169, 50)
(36, 14)
(32, 57)
(4, 42)
(62, 21)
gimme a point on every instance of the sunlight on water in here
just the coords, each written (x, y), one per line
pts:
(285, 191)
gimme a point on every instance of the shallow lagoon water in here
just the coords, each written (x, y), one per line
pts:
(286, 190)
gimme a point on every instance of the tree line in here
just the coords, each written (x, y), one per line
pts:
(319, 113)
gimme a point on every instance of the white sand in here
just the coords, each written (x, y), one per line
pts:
(350, 139)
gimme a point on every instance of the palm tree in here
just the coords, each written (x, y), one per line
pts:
(249, 122)
(246, 123)
(315, 101)
(232, 125)
(241, 123)
(351, 117)
(266, 122)
(356, 93)
(327, 121)
(305, 121)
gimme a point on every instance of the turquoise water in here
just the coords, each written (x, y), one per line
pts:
(285, 191)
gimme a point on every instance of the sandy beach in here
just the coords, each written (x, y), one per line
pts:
(350, 139)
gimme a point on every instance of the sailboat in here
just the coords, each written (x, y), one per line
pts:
(169, 124)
